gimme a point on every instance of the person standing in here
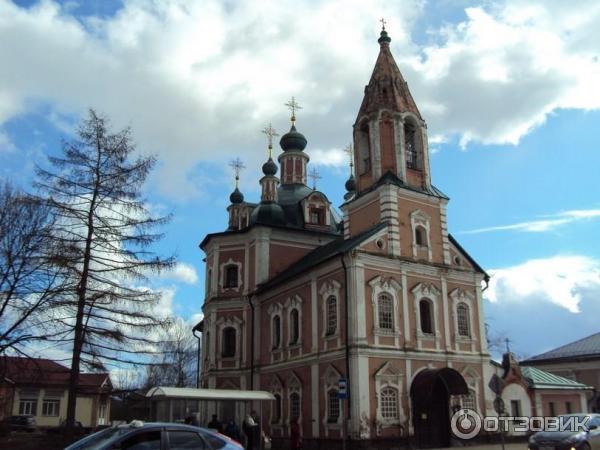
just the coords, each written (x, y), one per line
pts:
(295, 436)
(250, 428)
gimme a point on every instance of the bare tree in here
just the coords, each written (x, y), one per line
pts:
(103, 234)
(29, 281)
(176, 362)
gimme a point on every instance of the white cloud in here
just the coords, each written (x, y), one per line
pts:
(546, 224)
(561, 280)
(183, 272)
(197, 80)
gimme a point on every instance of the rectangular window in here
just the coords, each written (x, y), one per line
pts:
(316, 216)
(28, 407)
(552, 409)
(50, 408)
(468, 402)
(515, 408)
(568, 407)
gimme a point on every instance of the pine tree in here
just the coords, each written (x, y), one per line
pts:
(104, 232)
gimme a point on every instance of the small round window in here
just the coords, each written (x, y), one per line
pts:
(380, 243)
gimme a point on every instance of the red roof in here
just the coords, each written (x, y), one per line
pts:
(44, 372)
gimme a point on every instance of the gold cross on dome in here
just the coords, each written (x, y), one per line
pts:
(314, 176)
(271, 133)
(293, 107)
(237, 165)
(382, 20)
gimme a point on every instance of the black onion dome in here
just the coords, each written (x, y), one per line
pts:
(269, 168)
(268, 214)
(384, 37)
(236, 196)
(293, 140)
(351, 184)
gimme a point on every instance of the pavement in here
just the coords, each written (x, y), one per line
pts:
(508, 446)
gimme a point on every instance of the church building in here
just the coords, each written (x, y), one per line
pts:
(383, 297)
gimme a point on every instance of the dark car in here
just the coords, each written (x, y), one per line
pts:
(569, 436)
(155, 436)
(78, 429)
(23, 422)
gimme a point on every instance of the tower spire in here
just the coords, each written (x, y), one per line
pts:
(237, 165)
(293, 160)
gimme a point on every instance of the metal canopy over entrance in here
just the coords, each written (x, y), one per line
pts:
(430, 396)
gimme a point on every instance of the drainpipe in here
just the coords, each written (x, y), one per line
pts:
(347, 318)
(198, 328)
(251, 343)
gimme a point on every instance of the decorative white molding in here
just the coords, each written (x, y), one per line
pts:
(294, 386)
(390, 376)
(419, 219)
(330, 381)
(222, 275)
(459, 296)
(380, 285)
(237, 324)
(330, 288)
(431, 293)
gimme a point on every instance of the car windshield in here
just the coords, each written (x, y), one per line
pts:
(96, 440)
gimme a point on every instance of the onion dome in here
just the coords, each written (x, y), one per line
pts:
(269, 168)
(236, 197)
(293, 140)
(384, 38)
(351, 184)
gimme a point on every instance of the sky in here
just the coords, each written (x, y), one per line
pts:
(509, 90)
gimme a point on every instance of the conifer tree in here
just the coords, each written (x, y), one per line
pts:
(103, 233)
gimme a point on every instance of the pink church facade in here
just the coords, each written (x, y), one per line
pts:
(298, 297)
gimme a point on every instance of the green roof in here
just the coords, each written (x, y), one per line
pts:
(540, 379)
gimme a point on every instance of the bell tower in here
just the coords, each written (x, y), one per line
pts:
(389, 133)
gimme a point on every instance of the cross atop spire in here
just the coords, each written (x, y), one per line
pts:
(382, 20)
(293, 106)
(237, 165)
(314, 176)
(271, 133)
(350, 151)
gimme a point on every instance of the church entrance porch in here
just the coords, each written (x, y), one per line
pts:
(430, 397)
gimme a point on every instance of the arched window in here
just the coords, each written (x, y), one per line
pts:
(426, 316)
(421, 236)
(462, 319)
(386, 312)
(410, 143)
(229, 342)
(331, 315)
(208, 281)
(276, 417)
(294, 405)
(231, 276)
(276, 331)
(207, 345)
(294, 326)
(389, 403)
(364, 149)
(333, 406)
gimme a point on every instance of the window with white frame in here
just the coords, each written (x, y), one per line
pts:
(295, 407)
(276, 331)
(333, 406)
(28, 407)
(294, 326)
(385, 307)
(50, 407)
(331, 315)
(462, 319)
(421, 236)
(389, 403)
